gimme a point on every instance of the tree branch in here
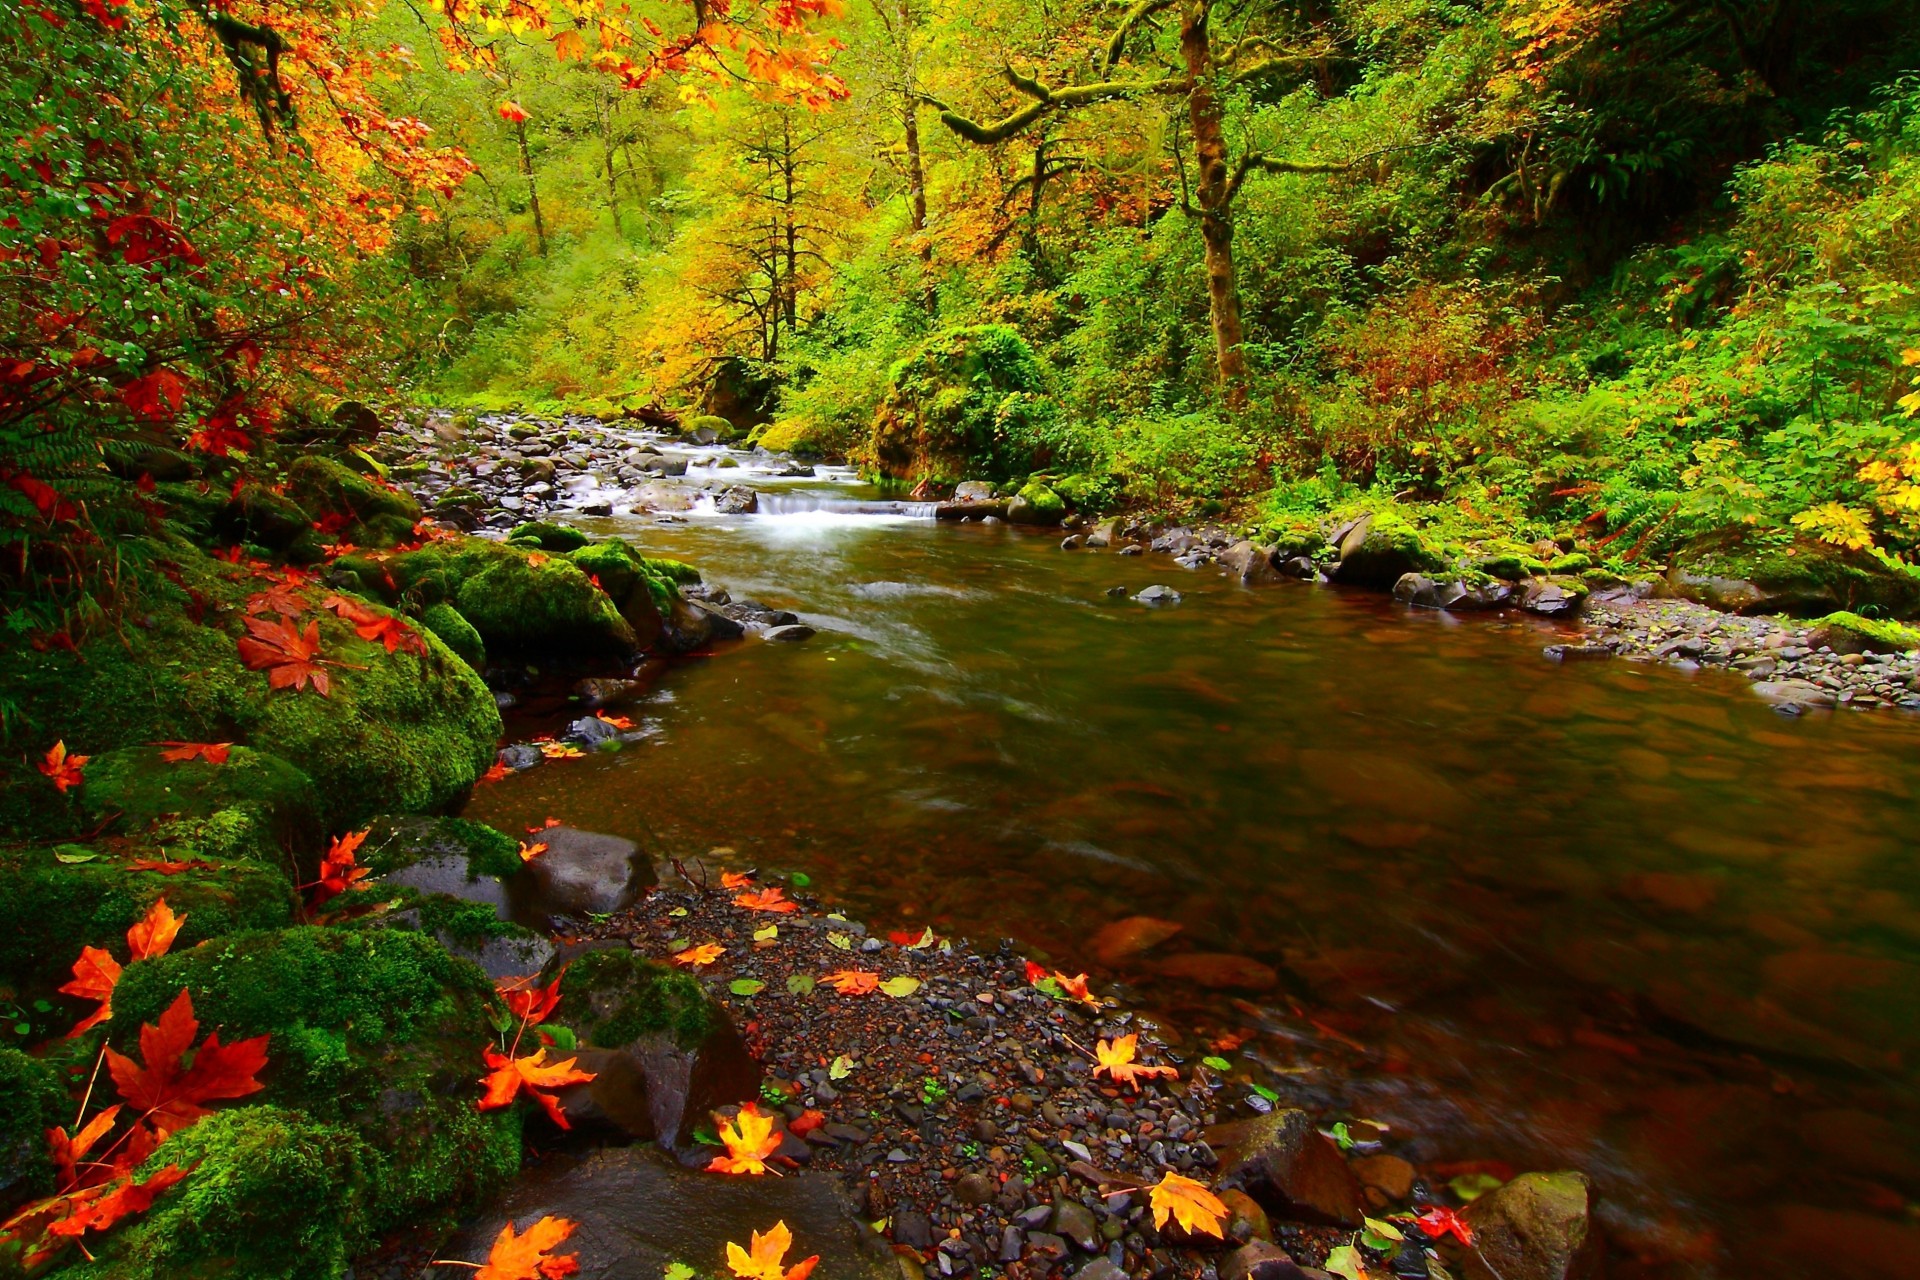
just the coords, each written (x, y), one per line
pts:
(1046, 101)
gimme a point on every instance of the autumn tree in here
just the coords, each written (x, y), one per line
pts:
(1266, 47)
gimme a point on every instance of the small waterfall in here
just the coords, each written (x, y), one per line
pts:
(793, 504)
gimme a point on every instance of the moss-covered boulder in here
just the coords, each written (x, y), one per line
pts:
(1380, 548)
(256, 514)
(711, 428)
(1845, 632)
(548, 536)
(361, 509)
(255, 805)
(457, 881)
(273, 1195)
(35, 1102)
(519, 599)
(379, 1031)
(1804, 578)
(970, 401)
(401, 730)
(50, 908)
(454, 631)
(1037, 504)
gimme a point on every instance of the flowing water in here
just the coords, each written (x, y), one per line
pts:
(1604, 916)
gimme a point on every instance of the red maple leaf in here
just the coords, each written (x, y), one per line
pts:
(507, 1078)
(1440, 1221)
(61, 767)
(211, 752)
(290, 657)
(171, 1098)
(339, 871)
(171, 868)
(141, 238)
(529, 1003)
(282, 598)
(156, 396)
(368, 625)
(496, 773)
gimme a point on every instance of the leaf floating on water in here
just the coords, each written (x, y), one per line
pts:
(800, 879)
(1217, 1064)
(900, 987)
(800, 984)
(746, 986)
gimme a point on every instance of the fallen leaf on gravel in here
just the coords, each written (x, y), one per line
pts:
(773, 899)
(806, 1122)
(1440, 1221)
(527, 1256)
(852, 982)
(1345, 1262)
(841, 941)
(767, 934)
(694, 957)
(1115, 1057)
(749, 1139)
(767, 1259)
(841, 1068)
(1189, 1203)
(800, 984)
(735, 879)
(900, 987)
(912, 941)
(746, 986)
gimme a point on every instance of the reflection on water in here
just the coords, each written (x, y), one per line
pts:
(1607, 917)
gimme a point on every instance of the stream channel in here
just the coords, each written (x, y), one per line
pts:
(1603, 916)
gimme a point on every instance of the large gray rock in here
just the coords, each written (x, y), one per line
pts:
(584, 873)
(973, 491)
(1250, 562)
(1422, 592)
(1284, 1162)
(636, 1211)
(1552, 597)
(1377, 553)
(1537, 1227)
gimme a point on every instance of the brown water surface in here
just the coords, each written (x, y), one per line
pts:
(1603, 916)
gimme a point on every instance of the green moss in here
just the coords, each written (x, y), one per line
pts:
(1036, 503)
(516, 598)
(273, 1195)
(969, 401)
(1804, 578)
(1881, 637)
(456, 633)
(50, 909)
(1572, 562)
(801, 435)
(722, 429)
(373, 514)
(376, 1030)
(394, 842)
(549, 536)
(35, 1102)
(398, 731)
(254, 805)
(1511, 566)
(617, 997)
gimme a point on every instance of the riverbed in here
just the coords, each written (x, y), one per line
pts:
(1605, 916)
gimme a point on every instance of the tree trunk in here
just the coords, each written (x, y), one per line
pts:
(1214, 204)
(916, 174)
(606, 108)
(533, 190)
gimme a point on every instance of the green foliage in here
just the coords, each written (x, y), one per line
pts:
(968, 400)
(36, 1102)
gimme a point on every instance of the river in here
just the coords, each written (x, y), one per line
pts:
(1601, 916)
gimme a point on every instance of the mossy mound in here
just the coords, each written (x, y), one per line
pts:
(722, 429)
(549, 536)
(454, 631)
(615, 997)
(1845, 632)
(1036, 503)
(518, 599)
(1804, 579)
(35, 1102)
(255, 805)
(394, 842)
(802, 436)
(379, 1031)
(367, 513)
(645, 589)
(399, 730)
(273, 1195)
(50, 909)
(256, 514)
(970, 401)
(1381, 549)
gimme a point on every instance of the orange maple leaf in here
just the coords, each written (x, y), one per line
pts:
(171, 1098)
(735, 879)
(508, 1077)
(496, 773)
(1188, 1202)
(704, 954)
(529, 1255)
(773, 899)
(853, 982)
(766, 1259)
(530, 1003)
(96, 972)
(70, 1162)
(1115, 1057)
(61, 767)
(368, 625)
(339, 871)
(528, 852)
(561, 751)
(153, 934)
(617, 722)
(211, 752)
(548, 825)
(289, 656)
(749, 1139)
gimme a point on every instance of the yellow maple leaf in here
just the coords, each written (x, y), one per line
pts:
(766, 1260)
(1115, 1057)
(694, 957)
(749, 1139)
(1190, 1203)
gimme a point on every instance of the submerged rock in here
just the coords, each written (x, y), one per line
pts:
(1283, 1161)
(583, 873)
(1158, 595)
(1537, 1227)
(1250, 562)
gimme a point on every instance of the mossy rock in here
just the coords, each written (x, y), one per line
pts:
(519, 600)
(1845, 632)
(1804, 579)
(456, 633)
(375, 1030)
(1381, 549)
(645, 589)
(615, 997)
(50, 909)
(399, 731)
(272, 1195)
(256, 805)
(397, 841)
(802, 436)
(35, 1102)
(549, 536)
(373, 514)
(1510, 566)
(966, 402)
(256, 514)
(722, 429)
(1037, 504)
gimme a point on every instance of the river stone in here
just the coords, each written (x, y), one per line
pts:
(1289, 1167)
(637, 1211)
(1220, 971)
(1391, 1176)
(1250, 562)
(590, 731)
(1793, 693)
(1537, 1227)
(1298, 567)
(586, 872)
(600, 691)
(1422, 592)
(1158, 595)
(1072, 542)
(736, 500)
(721, 624)
(1075, 1222)
(1104, 534)
(973, 491)
(1122, 939)
(791, 632)
(1260, 1260)
(1552, 597)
